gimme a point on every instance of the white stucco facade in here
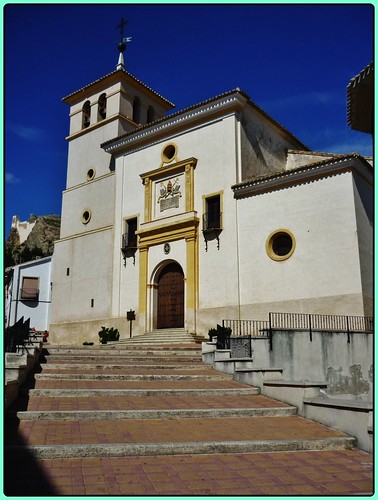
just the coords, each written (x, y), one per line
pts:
(153, 189)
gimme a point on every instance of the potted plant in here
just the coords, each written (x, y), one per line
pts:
(223, 337)
(108, 334)
(213, 333)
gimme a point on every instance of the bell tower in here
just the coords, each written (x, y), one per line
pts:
(105, 109)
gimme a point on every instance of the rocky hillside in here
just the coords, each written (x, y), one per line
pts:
(40, 242)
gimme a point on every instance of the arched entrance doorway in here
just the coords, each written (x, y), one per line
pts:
(170, 300)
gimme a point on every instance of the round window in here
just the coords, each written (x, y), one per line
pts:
(280, 245)
(169, 153)
(90, 174)
(86, 217)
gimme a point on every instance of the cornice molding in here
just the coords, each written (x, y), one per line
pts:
(157, 232)
(217, 108)
(88, 182)
(84, 233)
(308, 173)
(105, 121)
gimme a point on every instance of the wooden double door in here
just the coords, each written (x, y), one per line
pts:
(170, 306)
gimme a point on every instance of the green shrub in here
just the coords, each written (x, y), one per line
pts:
(223, 334)
(108, 334)
(213, 332)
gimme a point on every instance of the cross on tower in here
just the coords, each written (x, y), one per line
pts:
(121, 26)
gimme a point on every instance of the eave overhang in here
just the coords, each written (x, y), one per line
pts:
(360, 100)
(111, 78)
(301, 175)
(198, 114)
(194, 116)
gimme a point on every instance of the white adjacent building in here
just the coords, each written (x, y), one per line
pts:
(28, 293)
(213, 212)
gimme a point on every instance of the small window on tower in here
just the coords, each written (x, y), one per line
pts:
(150, 114)
(86, 216)
(136, 110)
(86, 114)
(102, 107)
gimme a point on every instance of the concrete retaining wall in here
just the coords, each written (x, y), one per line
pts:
(17, 367)
(347, 367)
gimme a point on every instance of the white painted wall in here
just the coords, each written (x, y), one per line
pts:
(38, 312)
(323, 274)
(238, 279)
(89, 261)
(363, 197)
(96, 196)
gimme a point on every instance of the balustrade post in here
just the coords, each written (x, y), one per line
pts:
(347, 322)
(310, 326)
(270, 332)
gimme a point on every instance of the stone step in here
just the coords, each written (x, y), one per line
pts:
(120, 358)
(87, 405)
(172, 335)
(143, 392)
(178, 448)
(125, 366)
(164, 339)
(110, 431)
(168, 333)
(154, 414)
(123, 350)
(150, 402)
(275, 432)
(119, 376)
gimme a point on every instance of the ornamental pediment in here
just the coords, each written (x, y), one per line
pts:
(169, 190)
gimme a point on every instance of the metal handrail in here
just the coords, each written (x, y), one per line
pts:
(320, 322)
(299, 321)
(247, 327)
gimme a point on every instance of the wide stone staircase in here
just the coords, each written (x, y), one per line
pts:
(132, 418)
(165, 336)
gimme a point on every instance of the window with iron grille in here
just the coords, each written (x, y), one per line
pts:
(129, 238)
(30, 288)
(212, 216)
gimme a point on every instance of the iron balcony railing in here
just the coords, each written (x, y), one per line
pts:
(129, 241)
(211, 222)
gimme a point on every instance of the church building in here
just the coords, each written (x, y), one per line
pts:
(212, 212)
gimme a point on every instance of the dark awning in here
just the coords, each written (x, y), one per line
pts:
(360, 100)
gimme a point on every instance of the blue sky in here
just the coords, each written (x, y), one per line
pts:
(294, 61)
